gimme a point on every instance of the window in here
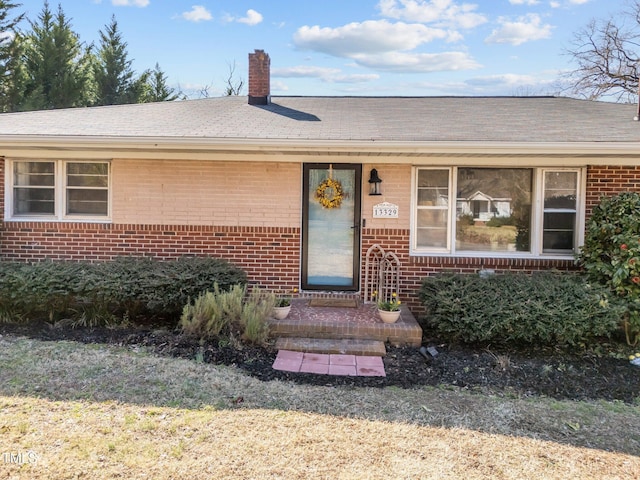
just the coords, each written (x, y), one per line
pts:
(496, 211)
(433, 208)
(87, 189)
(59, 189)
(34, 188)
(560, 211)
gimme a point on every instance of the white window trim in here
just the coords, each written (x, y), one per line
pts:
(60, 186)
(536, 224)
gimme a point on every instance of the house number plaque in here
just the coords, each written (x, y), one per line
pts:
(385, 210)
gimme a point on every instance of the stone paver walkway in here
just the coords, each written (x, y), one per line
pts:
(329, 364)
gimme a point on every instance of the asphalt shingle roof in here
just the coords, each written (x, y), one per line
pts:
(421, 119)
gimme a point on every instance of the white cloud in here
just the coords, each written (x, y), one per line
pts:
(370, 37)
(553, 4)
(303, 72)
(524, 2)
(252, 18)
(355, 78)
(382, 45)
(330, 75)
(504, 84)
(130, 3)
(524, 29)
(418, 62)
(507, 80)
(513, 84)
(439, 12)
(197, 14)
(579, 2)
(277, 86)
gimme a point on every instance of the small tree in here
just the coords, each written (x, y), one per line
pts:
(112, 71)
(611, 253)
(154, 87)
(57, 64)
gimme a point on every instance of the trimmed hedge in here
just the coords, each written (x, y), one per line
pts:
(514, 309)
(95, 293)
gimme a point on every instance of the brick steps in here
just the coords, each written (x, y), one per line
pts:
(333, 330)
(343, 346)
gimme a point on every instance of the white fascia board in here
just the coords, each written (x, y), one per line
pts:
(30, 146)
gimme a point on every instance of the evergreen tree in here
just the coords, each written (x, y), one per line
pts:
(57, 64)
(155, 87)
(11, 71)
(112, 72)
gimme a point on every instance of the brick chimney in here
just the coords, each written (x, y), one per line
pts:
(259, 78)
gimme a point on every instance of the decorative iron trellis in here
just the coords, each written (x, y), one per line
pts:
(382, 275)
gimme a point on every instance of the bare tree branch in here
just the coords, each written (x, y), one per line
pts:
(234, 86)
(607, 56)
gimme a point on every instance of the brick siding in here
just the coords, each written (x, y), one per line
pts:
(605, 181)
(269, 254)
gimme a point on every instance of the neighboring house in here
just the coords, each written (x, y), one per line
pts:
(237, 179)
(483, 207)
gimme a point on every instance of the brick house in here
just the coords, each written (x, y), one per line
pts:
(237, 179)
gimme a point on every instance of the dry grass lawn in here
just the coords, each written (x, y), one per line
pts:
(69, 410)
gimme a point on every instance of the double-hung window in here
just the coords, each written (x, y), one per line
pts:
(496, 211)
(58, 189)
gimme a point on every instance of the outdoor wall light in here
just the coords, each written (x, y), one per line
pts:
(374, 183)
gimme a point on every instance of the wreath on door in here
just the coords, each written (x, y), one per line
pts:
(329, 193)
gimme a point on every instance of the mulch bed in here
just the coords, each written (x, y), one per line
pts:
(506, 373)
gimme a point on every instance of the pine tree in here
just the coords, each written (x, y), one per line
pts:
(155, 88)
(57, 64)
(11, 70)
(112, 72)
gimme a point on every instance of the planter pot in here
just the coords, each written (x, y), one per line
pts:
(281, 313)
(389, 317)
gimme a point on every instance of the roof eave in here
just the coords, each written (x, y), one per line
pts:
(23, 146)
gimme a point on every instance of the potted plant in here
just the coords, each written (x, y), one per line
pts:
(283, 306)
(389, 311)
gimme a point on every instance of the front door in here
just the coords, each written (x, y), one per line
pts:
(331, 233)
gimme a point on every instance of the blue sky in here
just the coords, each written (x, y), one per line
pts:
(348, 47)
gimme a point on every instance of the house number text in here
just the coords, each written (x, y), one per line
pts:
(385, 210)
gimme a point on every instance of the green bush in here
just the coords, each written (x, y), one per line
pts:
(255, 312)
(100, 293)
(515, 309)
(500, 221)
(219, 314)
(205, 318)
(611, 253)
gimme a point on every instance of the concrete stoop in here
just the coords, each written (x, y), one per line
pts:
(343, 331)
(343, 346)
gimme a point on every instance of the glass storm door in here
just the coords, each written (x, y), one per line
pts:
(331, 236)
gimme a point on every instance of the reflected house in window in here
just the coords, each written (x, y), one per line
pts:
(483, 207)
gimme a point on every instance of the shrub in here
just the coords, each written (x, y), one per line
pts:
(255, 312)
(101, 293)
(611, 253)
(465, 219)
(205, 318)
(500, 221)
(221, 314)
(513, 309)
(142, 286)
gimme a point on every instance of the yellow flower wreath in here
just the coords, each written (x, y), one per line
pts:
(329, 193)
